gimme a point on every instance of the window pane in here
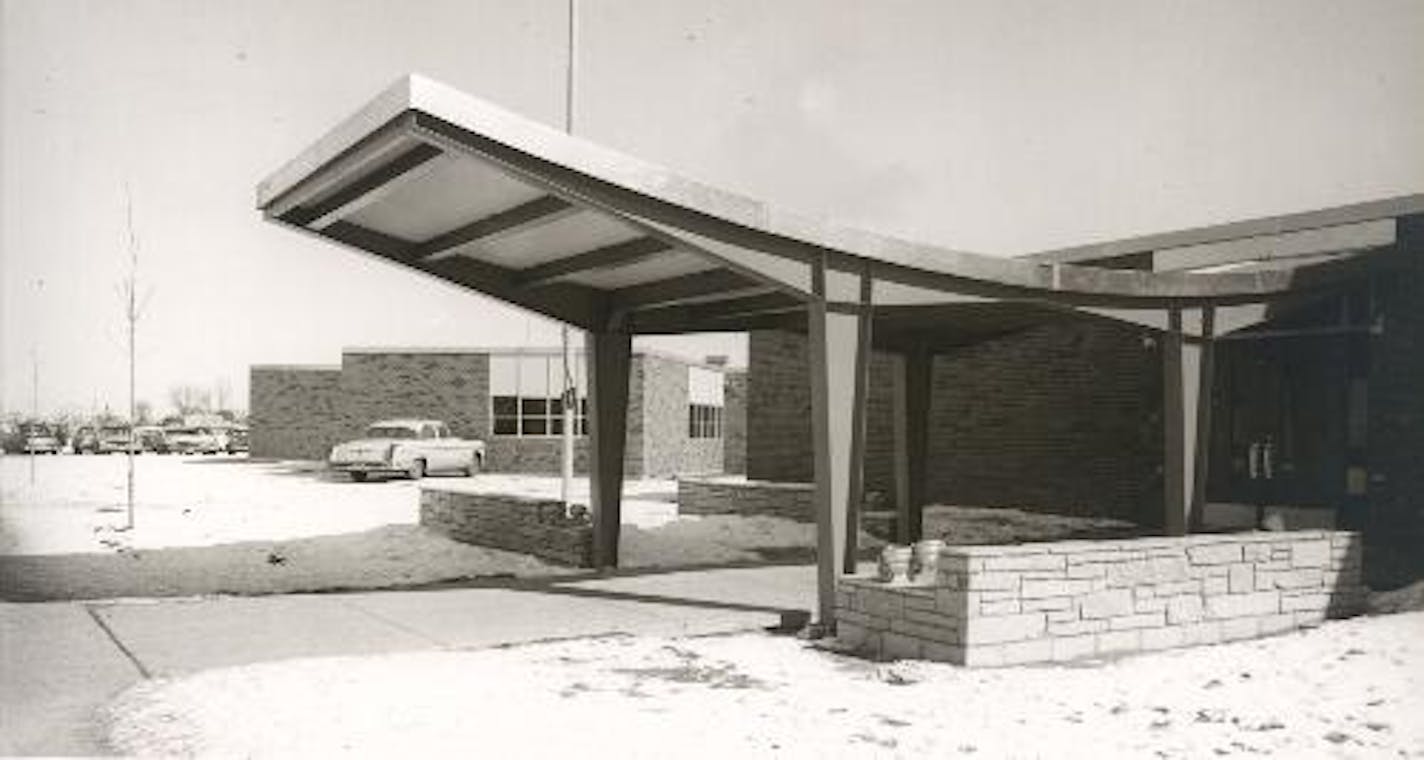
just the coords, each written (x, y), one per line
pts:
(556, 407)
(506, 405)
(506, 426)
(556, 426)
(504, 375)
(534, 426)
(534, 376)
(534, 407)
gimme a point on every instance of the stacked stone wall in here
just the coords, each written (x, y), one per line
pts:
(1005, 605)
(511, 523)
(723, 496)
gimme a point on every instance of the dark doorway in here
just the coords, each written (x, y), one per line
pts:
(1280, 421)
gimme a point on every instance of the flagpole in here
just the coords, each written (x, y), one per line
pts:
(569, 396)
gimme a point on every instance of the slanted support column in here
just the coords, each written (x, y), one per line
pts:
(912, 410)
(839, 359)
(1205, 378)
(1182, 377)
(609, 354)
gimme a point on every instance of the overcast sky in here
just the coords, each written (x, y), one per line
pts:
(997, 127)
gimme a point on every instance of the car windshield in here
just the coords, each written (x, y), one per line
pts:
(115, 431)
(389, 431)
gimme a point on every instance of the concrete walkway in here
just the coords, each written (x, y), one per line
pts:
(60, 662)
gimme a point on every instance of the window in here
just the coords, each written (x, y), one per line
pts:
(704, 421)
(525, 395)
(704, 407)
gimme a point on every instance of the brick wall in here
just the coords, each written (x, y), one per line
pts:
(453, 387)
(1004, 605)
(295, 411)
(300, 412)
(1063, 417)
(734, 431)
(728, 496)
(511, 523)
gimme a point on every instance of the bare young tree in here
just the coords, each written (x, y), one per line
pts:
(133, 310)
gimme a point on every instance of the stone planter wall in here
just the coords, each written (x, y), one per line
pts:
(1006, 605)
(727, 496)
(512, 523)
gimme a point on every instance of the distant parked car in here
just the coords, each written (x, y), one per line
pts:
(151, 438)
(407, 447)
(237, 441)
(114, 439)
(86, 440)
(39, 439)
(196, 440)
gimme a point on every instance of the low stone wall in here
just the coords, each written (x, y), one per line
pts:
(1006, 605)
(735, 496)
(512, 523)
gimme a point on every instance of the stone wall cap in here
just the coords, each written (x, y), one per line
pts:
(1139, 543)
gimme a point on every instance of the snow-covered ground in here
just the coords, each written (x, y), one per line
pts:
(1348, 689)
(202, 501)
(207, 525)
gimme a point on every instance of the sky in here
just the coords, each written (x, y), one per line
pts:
(1001, 127)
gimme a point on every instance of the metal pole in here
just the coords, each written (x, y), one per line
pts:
(568, 395)
(569, 398)
(35, 380)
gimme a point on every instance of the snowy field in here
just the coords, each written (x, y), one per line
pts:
(1347, 689)
(74, 501)
(208, 525)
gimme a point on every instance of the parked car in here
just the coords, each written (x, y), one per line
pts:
(407, 447)
(86, 440)
(151, 438)
(237, 440)
(196, 440)
(114, 439)
(39, 439)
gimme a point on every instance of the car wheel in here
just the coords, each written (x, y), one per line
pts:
(474, 467)
(359, 477)
(417, 469)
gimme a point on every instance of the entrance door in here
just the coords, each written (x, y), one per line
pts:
(1278, 429)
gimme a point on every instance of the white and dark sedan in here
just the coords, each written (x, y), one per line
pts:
(407, 447)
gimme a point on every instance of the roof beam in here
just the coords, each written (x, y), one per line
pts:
(679, 289)
(364, 188)
(535, 213)
(607, 257)
(575, 304)
(705, 313)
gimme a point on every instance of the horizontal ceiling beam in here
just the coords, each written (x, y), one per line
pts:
(574, 304)
(696, 315)
(680, 289)
(365, 187)
(537, 212)
(607, 257)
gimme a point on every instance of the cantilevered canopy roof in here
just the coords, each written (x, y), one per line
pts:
(446, 184)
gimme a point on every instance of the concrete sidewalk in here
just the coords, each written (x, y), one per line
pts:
(60, 662)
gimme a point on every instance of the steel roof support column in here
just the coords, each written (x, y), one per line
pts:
(839, 356)
(609, 354)
(1205, 376)
(912, 411)
(1181, 389)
